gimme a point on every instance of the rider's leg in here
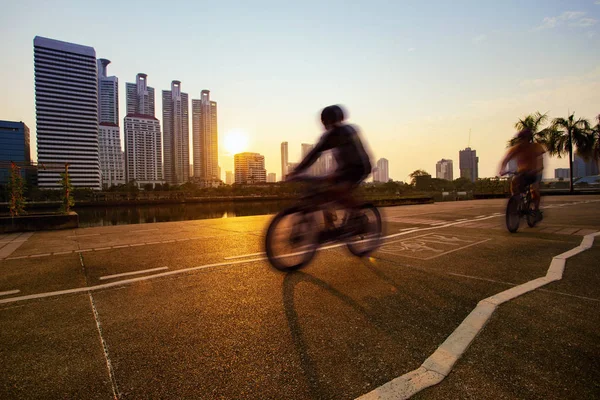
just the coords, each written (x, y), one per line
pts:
(535, 195)
(514, 185)
(329, 217)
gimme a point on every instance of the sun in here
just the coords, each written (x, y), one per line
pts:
(235, 141)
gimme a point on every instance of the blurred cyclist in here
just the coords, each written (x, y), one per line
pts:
(530, 164)
(352, 160)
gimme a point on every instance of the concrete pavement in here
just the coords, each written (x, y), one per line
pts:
(164, 311)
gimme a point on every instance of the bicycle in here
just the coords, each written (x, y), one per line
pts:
(295, 233)
(520, 205)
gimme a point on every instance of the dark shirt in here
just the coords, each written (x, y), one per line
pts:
(350, 155)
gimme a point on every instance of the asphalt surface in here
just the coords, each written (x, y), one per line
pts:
(200, 314)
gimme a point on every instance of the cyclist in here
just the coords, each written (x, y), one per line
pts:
(352, 160)
(530, 164)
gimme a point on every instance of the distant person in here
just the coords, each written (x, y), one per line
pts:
(352, 160)
(530, 165)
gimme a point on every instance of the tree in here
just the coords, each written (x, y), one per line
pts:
(413, 175)
(16, 189)
(564, 135)
(533, 122)
(596, 141)
(65, 184)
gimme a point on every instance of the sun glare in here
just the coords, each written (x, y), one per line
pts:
(235, 142)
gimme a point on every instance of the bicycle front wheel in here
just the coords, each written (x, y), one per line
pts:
(292, 239)
(368, 231)
(513, 215)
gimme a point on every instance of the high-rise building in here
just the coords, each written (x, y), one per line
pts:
(15, 147)
(229, 177)
(112, 163)
(205, 137)
(249, 168)
(313, 170)
(66, 102)
(176, 135)
(468, 164)
(271, 177)
(583, 167)
(381, 173)
(284, 159)
(444, 169)
(143, 144)
(561, 173)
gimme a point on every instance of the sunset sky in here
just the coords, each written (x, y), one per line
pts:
(414, 75)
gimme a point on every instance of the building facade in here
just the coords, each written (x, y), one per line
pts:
(271, 177)
(205, 137)
(583, 167)
(143, 142)
(561, 173)
(444, 169)
(381, 173)
(229, 177)
(284, 160)
(66, 102)
(468, 164)
(112, 162)
(249, 168)
(176, 135)
(15, 147)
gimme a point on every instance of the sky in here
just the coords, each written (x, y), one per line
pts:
(415, 76)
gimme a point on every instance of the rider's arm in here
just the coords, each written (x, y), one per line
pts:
(509, 155)
(314, 154)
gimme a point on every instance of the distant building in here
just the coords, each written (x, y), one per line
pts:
(112, 162)
(561, 173)
(469, 164)
(284, 159)
(582, 168)
(66, 103)
(15, 147)
(292, 166)
(143, 143)
(176, 135)
(205, 137)
(249, 168)
(381, 173)
(229, 177)
(271, 177)
(444, 169)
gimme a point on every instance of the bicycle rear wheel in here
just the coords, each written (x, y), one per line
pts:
(368, 231)
(532, 215)
(292, 239)
(513, 215)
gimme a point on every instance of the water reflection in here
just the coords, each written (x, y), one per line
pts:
(123, 215)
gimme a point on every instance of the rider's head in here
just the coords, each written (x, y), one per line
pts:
(525, 135)
(332, 115)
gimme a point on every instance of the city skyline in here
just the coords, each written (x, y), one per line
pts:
(391, 63)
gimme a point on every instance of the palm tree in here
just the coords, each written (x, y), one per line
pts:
(596, 141)
(533, 122)
(563, 134)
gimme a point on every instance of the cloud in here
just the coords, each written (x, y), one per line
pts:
(570, 18)
(411, 49)
(479, 39)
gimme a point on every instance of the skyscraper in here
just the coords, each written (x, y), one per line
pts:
(284, 160)
(305, 149)
(271, 177)
(176, 134)
(229, 177)
(444, 169)
(112, 164)
(468, 164)
(205, 137)
(14, 146)
(583, 167)
(143, 145)
(66, 102)
(381, 173)
(249, 168)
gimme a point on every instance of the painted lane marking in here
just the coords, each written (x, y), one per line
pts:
(125, 281)
(406, 229)
(462, 219)
(132, 273)
(435, 368)
(144, 230)
(6, 293)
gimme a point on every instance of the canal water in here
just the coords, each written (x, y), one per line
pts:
(123, 215)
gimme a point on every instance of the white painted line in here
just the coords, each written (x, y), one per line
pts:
(101, 248)
(406, 229)
(144, 230)
(16, 258)
(82, 251)
(435, 368)
(120, 247)
(9, 292)
(145, 271)
(462, 219)
(125, 281)
(245, 255)
(481, 216)
(62, 252)
(40, 255)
